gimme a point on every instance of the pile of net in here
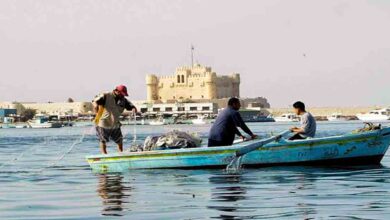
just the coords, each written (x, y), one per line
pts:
(368, 126)
(171, 140)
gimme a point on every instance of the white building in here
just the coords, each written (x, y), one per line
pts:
(177, 108)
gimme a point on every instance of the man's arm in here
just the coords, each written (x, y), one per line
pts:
(302, 129)
(297, 130)
(238, 133)
(129, 106)
(99, 100)
(240, 123)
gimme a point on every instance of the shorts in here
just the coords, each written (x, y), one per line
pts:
(105, 134)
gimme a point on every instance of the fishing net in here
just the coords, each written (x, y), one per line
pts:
(171, 140)
(368, 126)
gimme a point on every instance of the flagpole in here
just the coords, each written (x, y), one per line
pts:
(192, 55)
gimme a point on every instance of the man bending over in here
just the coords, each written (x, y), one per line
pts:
(224, 129)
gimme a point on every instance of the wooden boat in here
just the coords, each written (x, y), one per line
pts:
(350, 149)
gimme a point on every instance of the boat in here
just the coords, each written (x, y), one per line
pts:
(83, 124)
(360, 148)
(158, 121)
(8, 122)
(287, 117)
(21, 125)
(199, 120)
(42, 121)
(337, 117)
(375, 115)
(259, 118)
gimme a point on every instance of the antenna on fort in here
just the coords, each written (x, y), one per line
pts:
(192, 55)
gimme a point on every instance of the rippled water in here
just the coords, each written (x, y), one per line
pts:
(35, 185)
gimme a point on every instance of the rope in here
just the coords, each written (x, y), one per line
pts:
(135, 128)
(19, 156)
(77, 142)
(22, 154)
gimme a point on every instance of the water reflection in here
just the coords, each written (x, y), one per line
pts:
(227, 190)
(114, 194)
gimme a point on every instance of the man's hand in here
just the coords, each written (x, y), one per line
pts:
(253, 136)
(243, 137)
(293, 129)
(134, 110)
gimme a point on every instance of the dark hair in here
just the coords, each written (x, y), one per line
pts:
(299, 105)
(233, 100)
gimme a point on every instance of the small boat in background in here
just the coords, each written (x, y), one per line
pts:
(375, 115)
(337, 117)
(83, 124)
(199, 120)
(158, 121)
(21, 125)
(8, 122)
(42, 121)
(357, 148)
(259, 118)
(287, 117)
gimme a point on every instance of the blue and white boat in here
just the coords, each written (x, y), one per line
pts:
(350, 149)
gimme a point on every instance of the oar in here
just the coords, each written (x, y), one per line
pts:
(249, 148)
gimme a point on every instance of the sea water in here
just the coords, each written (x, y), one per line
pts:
(41, 177)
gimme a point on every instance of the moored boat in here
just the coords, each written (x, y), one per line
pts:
(288, 117)
(355, 148)
(259, 118)
(158, 122)
(200, 120)
(41, 121)
(375, 115)
(8, 122)
(337, 117)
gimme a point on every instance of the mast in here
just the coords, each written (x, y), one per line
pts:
(192, 55)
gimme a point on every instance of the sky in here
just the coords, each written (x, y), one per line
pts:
(325, 53)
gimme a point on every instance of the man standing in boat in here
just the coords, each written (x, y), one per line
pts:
(308, 123)
(109, 107)
(224, 129)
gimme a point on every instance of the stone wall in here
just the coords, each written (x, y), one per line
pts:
(61, 107)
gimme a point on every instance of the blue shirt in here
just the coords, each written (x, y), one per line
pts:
(225, 126)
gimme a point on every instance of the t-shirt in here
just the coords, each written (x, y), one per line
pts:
(113, 108)
(309, 125)
(225, 126)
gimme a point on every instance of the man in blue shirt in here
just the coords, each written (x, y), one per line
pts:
(224, 129)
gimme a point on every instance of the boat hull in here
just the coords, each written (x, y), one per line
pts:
(351, 149)
(46, 125)
(368, 117)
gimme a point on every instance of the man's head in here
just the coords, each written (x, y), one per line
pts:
(299, 108)
(121, 91)
(234, 103)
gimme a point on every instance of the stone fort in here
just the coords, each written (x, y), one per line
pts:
(195, 82)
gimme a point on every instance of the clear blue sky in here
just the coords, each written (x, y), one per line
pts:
(326, 53)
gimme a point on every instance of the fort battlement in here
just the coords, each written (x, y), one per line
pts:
(192, 82)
